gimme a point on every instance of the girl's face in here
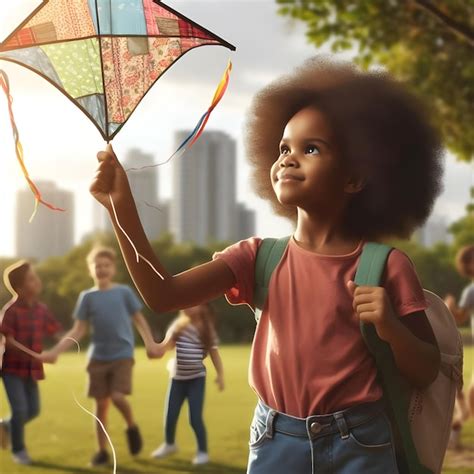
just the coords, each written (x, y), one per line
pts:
(196, 313)
(308, 173)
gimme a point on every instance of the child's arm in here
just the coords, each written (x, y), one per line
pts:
(76, 333)
(217, 361)
(12, 342)
(417, 360)
(461, 315)
(143, 329)
(159, 349)
(190, 288)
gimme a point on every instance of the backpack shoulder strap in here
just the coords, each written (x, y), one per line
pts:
(369, 272)
(269, 255)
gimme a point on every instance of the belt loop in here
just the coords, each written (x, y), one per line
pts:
(269, 424)
(342, 425)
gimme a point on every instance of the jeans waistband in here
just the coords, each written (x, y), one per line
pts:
(318, 425)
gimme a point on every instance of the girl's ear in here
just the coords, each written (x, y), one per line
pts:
(354, 185)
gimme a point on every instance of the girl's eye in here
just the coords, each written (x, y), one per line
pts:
(284, 150)
(312, 150)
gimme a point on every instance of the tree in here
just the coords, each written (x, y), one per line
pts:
(65, 277)
(428, 46)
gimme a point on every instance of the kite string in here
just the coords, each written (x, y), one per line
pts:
(109, 439)
(138, 255)
(5, 84)
(190, 139)
(201, 124)
(35, 355)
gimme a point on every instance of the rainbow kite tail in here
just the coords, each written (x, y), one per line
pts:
(5, 84)
(200, 126)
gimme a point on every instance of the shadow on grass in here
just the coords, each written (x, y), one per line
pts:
(51, 467)
(144, 466)
(178, 465)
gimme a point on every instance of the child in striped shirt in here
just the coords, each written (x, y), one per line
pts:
(193, 335)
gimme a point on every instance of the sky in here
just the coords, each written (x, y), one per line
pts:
(61, 143)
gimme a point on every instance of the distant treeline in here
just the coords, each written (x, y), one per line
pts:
(65, 277)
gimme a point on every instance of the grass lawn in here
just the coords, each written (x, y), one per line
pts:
(61, 440)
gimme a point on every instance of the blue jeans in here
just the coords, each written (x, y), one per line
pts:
(23, 396)
(178, 392)
(353, 441)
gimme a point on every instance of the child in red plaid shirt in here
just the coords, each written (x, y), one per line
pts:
(25, 323)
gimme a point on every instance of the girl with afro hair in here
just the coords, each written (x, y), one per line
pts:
(350, 157)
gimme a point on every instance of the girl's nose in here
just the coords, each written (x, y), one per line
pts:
(288, 161)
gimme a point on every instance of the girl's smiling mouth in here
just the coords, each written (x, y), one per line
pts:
(288, 177)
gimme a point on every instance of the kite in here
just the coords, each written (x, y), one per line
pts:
(105, 55)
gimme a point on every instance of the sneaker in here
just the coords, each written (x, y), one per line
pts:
(4, 434)
(164, 450)
(201, 458)
(100, 458)
(134, 440)
(22, 457)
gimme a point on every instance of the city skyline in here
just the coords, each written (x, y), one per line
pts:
(205, 207)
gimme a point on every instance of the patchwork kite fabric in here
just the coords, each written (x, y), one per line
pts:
(104, 55)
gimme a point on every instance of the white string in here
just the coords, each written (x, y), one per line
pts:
(138, 255)
(114, 456)
(177, 154)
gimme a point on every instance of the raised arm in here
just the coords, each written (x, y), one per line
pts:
(161, 291)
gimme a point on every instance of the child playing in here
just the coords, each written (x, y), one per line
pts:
(349, 157)
(108, 309)
(26, 322)
(461, 312)
(193, 335)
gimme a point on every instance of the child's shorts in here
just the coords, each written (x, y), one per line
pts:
(352, 441)
(107, 377)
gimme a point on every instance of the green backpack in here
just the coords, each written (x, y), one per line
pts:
(397, 392)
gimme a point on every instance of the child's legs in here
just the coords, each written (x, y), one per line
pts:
(196, 391)
(175, 400)
(99, 389)
(101, 411)
(120, 385)
(17, 397)
(33, 399)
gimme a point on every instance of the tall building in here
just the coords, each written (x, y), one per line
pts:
(144, 184)
(154, 214)
(51, 233)
(246, 222)
(204, 205)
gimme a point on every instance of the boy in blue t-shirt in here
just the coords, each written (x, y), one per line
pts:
(108, 309)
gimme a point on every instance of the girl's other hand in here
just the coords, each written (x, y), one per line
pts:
(220, 383)
(110, 179)
(372, 305)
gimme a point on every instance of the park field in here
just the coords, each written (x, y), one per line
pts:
(61, 440)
